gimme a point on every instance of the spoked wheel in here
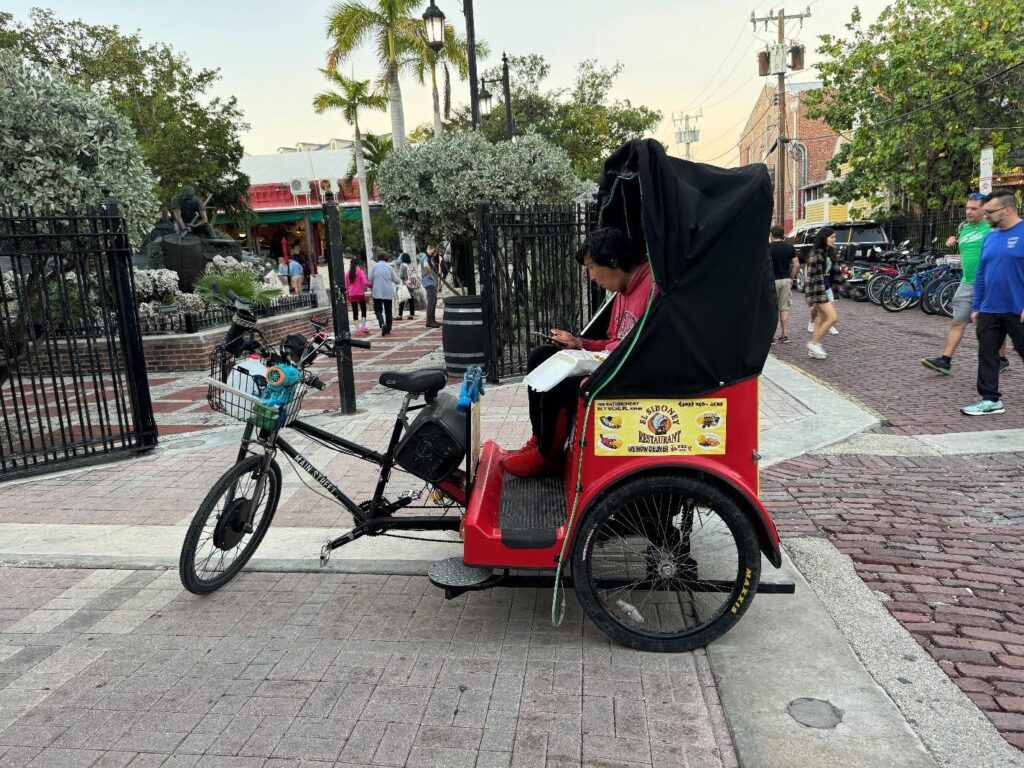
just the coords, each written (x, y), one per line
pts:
(665, 563)
(945, 300)
(875, 287)
(899, 295)
(218, 543)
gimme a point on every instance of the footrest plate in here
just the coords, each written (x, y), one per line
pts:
(455, 574)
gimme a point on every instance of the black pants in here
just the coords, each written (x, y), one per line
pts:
(382, 309)
(992, 330)
(431, 308)
(356, 306)
(411, 304)
(545, 407)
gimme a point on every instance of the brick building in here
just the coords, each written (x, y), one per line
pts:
(812, 144)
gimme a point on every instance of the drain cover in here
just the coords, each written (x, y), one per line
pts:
(815, 713)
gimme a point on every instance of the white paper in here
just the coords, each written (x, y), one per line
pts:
(562, 365)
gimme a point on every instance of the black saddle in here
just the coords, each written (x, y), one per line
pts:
(431, 380)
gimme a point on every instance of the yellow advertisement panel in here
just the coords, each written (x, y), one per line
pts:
(659, 427)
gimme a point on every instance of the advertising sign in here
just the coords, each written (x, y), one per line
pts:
(660, 427)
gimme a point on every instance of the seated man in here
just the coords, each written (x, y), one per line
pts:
(617, 266)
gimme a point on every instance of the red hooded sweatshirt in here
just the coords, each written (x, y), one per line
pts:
(627, 309)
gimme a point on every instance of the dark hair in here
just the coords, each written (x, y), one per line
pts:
(406, 258)
(777, 232)
(609, 247)
(1002, 194)
(821, 239)
(353, 265)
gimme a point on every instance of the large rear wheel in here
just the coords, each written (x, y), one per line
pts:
(218, 543)
(666, 563)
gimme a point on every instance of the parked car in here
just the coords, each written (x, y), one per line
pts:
(855, 240)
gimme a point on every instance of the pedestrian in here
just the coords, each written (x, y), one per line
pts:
(785, 265)
(968, 239)
(997, 307)
(822, 273)
(406, 272)
(295, 272)
(356, 285)
(383, 282)
(282, 270)
(428, 278)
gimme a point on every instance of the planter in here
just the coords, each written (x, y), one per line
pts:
(462, 333)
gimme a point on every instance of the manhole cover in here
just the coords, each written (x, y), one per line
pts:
(815, 713)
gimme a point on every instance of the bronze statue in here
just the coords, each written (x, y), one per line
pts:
(188, 207)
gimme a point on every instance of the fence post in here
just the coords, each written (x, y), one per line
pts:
(339, 304)
(119, 257)
(483, 221)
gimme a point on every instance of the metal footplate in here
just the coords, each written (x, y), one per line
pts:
(455, 577)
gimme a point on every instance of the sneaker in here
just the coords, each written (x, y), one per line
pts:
(783, 339)
(816, 351)
(530, 463)
(983, 408)
(938, 364)
(530, 445)
(833, 331)
(1004, 364)
(810, 327)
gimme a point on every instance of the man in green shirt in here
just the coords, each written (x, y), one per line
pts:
(968, 240)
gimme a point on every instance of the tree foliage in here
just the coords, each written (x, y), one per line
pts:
(432, 189)
(60, 144)
(916, 53)
(582, 120)
(375, 151)
(187, 138)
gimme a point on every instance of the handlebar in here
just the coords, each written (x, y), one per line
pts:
(356, 343)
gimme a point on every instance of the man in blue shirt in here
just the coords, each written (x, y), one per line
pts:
(428, 279)
(998, 306)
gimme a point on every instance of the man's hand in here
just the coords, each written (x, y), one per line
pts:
(974, 317)
(1022, 317)
(951, 241)
(566, 339)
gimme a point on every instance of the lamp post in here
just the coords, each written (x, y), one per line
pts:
(484, 99)
(434, 18)
(510, 130)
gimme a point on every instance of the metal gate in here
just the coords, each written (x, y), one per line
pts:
(530, 280)
(73, 384)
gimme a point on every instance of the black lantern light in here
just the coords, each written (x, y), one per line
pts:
(484, 99)
(433, 17)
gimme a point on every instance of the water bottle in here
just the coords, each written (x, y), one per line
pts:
(249, 376)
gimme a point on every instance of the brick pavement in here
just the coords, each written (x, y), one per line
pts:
(876, 360)
(942, 539)
(122, 668)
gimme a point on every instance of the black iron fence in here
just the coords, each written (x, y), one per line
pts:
(530, 280)
(926, 229)
(73, 383)
(215, 317)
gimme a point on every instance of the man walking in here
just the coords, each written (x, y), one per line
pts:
(968, 240)
(998, 305)
(785, 265)
(428, 279)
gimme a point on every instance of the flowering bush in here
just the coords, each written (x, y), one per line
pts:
(432, 189)
(159, 285)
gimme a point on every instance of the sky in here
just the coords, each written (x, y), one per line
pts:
(679, 56)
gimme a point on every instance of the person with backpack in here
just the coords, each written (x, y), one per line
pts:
(407, 274)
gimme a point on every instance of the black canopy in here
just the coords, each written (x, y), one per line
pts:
(706, 232)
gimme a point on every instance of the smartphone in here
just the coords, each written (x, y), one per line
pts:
(547, 338)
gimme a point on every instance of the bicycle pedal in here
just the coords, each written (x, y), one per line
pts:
(325, 553)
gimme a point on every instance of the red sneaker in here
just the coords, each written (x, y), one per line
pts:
(530, 445)
(530, 463)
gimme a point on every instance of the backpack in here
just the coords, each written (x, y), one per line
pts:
(413, 283)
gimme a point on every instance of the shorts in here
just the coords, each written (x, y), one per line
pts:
(784, 293)
(829, 295)
(962, 300)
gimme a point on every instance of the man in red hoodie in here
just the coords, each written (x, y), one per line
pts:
(618, 267)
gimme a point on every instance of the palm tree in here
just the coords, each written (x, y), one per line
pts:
(456, 54)
(352, 96)
(375, 151)
(394, 32)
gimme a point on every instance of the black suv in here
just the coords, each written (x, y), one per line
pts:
(855, 241)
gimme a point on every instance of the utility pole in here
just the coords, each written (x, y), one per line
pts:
(773, 62)
(684, 134)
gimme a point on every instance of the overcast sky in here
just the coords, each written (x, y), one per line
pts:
(679, 55)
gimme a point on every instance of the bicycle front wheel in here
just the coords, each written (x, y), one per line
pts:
(899, 295)
(218, 543)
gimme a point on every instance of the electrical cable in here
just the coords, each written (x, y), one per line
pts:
(721, 64)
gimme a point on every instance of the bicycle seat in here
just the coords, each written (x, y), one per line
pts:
(416, 382)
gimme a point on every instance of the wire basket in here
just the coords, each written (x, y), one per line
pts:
(239, 388)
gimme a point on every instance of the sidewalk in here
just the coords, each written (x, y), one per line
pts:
(106, 660)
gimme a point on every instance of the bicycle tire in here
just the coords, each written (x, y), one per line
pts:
(945, 300)
(927, 302)
(225, 535)
(891, 299)
(646, 509)
(875, 286)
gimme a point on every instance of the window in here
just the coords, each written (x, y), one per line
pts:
(817, 192)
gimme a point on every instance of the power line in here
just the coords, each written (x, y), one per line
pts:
(720, 65)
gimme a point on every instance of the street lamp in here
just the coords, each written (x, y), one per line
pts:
(510, 131)
(484, 99)
(434, 19)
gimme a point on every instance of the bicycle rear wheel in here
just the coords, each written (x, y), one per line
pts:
(895, 297)
(875, 287)
(217, 545)
(945, 300)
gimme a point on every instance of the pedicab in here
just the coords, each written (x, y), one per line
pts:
(655, 521)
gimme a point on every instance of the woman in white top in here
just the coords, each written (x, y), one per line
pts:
(383, 282)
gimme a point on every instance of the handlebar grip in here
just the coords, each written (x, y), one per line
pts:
(316, 383)
(358, 343)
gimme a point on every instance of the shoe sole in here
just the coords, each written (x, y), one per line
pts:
(933, 367)
(817, 357)
(983, 413)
